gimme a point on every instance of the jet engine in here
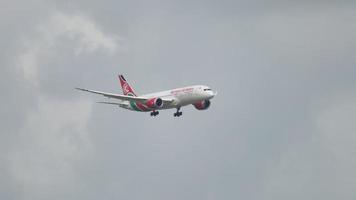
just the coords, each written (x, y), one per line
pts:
(202, 105)
(154, 103)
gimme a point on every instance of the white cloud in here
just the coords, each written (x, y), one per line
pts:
(53, 139)
(29, 64)
(81, 31)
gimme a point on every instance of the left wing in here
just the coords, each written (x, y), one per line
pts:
(112, 103)
(123, 97)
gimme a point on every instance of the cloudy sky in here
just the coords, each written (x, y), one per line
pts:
(282, 126)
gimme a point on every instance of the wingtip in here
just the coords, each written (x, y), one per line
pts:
(81, 89)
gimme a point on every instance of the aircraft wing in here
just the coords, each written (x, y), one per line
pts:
(123, 97)
(112, 103)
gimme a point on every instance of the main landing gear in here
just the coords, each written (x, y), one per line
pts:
(177, 114)
(154, 113)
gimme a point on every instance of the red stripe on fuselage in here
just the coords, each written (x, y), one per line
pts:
(142, 107)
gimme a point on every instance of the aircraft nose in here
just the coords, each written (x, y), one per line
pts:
(212, 94)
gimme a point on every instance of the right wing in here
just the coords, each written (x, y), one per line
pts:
(123, 97)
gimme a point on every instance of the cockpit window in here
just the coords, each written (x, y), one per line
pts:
(207, 89)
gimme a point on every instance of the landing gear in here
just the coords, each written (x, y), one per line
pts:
(177, 114)
(154, 113)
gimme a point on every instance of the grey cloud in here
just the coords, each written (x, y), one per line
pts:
(279, 128)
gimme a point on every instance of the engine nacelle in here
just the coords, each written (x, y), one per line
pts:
(154, 103)
(202, 105)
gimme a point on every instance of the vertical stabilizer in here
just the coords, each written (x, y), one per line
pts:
(126, 88)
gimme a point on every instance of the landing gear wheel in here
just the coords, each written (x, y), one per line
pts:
(177, 114)
(154, 113)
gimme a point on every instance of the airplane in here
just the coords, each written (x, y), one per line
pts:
(198, 95)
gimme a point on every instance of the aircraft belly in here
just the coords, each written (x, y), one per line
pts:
(184, 100)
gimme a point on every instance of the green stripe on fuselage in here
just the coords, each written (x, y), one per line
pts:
(134, 106)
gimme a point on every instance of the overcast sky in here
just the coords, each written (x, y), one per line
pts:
(282, 126)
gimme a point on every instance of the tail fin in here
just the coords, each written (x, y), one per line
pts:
(126, 88)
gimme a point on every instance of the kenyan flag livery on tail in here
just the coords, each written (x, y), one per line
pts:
(126, 88)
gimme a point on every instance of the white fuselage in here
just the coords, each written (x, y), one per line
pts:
(181, 96)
